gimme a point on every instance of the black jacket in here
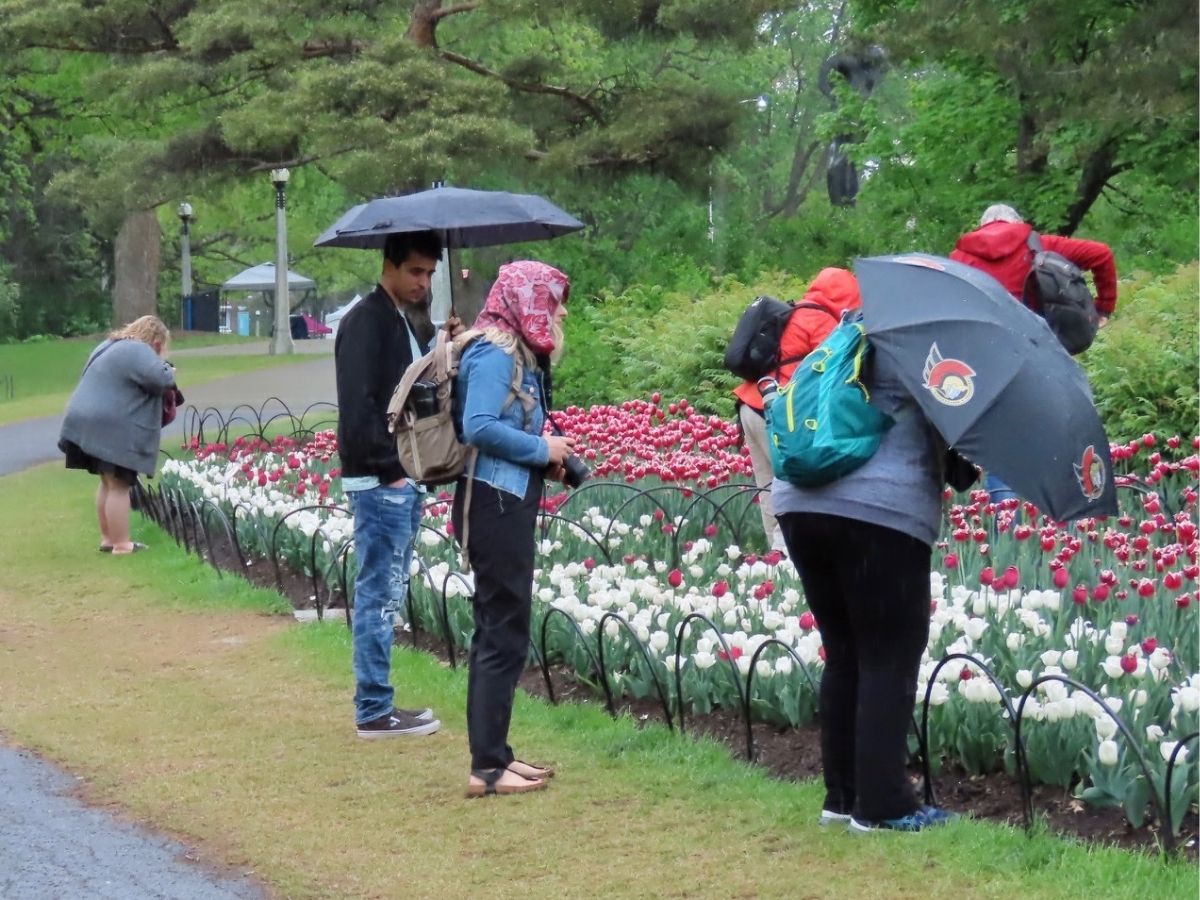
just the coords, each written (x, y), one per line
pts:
(370, 355)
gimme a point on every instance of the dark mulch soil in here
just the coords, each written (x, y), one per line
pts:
(787, 753)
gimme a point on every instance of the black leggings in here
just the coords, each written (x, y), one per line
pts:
(868, 587)
(501, 550)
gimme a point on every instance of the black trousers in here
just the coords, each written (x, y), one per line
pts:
(501, 551)
(868, 587)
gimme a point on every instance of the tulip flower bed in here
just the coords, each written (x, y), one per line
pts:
(648, 583)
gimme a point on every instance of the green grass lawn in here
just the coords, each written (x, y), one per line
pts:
(44, 374)
(184, 702)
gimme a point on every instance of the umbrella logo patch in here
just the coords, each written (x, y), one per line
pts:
(949, 380)
(1089, 472)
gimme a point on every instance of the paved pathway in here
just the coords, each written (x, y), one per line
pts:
(33, 441)
(51, 845)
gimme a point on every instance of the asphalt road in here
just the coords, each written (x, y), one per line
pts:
(300, 384)
(52, 846)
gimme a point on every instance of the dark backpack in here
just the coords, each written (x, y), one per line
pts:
(1056, 290)
(753, 350)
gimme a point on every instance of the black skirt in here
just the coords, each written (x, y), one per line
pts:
(78, 458)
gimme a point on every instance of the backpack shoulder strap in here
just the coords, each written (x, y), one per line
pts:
(788, 360)
(822, 307)
(1034, 242)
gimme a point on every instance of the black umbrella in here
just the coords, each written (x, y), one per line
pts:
(465, 218)
(992, 379)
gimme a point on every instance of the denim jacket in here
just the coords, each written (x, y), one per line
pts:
(507, 435)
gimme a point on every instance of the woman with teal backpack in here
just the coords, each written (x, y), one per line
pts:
(862, 543)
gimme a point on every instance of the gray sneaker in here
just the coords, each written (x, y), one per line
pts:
(397, 723)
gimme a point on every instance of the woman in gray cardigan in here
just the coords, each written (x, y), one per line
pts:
(113, 423)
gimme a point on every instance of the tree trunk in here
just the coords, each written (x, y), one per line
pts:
(135, 261)
(1100, 166)
(422, 25)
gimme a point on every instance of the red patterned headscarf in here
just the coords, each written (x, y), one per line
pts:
(523, 302)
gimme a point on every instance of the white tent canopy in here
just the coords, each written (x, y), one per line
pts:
(335, 317)
(262, 278)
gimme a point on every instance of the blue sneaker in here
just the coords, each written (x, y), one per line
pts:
(925, 817)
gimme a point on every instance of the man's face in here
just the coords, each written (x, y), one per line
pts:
(409, 281)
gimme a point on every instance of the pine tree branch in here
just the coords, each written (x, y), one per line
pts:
(525, 87)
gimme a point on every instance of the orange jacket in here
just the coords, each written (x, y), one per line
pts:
(834, 289)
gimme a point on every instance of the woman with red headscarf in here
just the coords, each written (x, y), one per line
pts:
(521, 323)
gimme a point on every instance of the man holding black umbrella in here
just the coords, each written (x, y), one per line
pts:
(375, 344)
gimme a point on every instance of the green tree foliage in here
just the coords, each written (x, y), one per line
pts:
(1067, 94)
(1144, 365)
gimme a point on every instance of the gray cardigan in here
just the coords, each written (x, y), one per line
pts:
(900, 487)
(115, 413)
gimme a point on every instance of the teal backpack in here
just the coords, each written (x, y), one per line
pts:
(820, 425)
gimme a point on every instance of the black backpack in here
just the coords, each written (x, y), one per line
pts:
(753, 350)
(1056, 290)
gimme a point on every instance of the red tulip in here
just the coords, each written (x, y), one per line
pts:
(1061, 578)
(1145, 588)
(950, 560)
(987, 576)
(1129, 664)
(1011, 577)
(1079, 596)
(720, 589)
(1149, 645)
(1173, 581)
(675, 578)
(807, 621)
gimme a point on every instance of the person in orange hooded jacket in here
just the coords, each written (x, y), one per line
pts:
(831, 293)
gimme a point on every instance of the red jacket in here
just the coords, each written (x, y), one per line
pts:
(834, 289)
(999, 249)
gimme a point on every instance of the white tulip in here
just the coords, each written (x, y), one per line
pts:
(1154, 733)
(743, 664)
(1051, 657)
(1114, 645)
(1108, 753)
(1105, 727)
(939, 695)
(659, 641)
(1070, 659)
(975, 628)
(1014, 641)
(783, 665)
(1166, 748)
(704, 645)
(1160, 658)
(1187, 697)
(1024, 678)
(703, 659)
(1112, 667)
(764, 669)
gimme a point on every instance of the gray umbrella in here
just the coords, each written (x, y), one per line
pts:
(465, 218)
(992, 379)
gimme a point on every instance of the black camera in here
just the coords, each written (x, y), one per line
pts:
(423, 399)
(577, 471)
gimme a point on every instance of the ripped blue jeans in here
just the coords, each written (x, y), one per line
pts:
(386, 520)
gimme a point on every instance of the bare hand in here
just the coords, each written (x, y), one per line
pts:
(399, 484)
(1103, 321)
(556, 473)
(454, 325)
(560, 448)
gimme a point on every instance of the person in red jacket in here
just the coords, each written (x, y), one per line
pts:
(833, 291)
(999, 248)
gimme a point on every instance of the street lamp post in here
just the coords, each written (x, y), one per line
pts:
(185, 216)
(282, 342)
